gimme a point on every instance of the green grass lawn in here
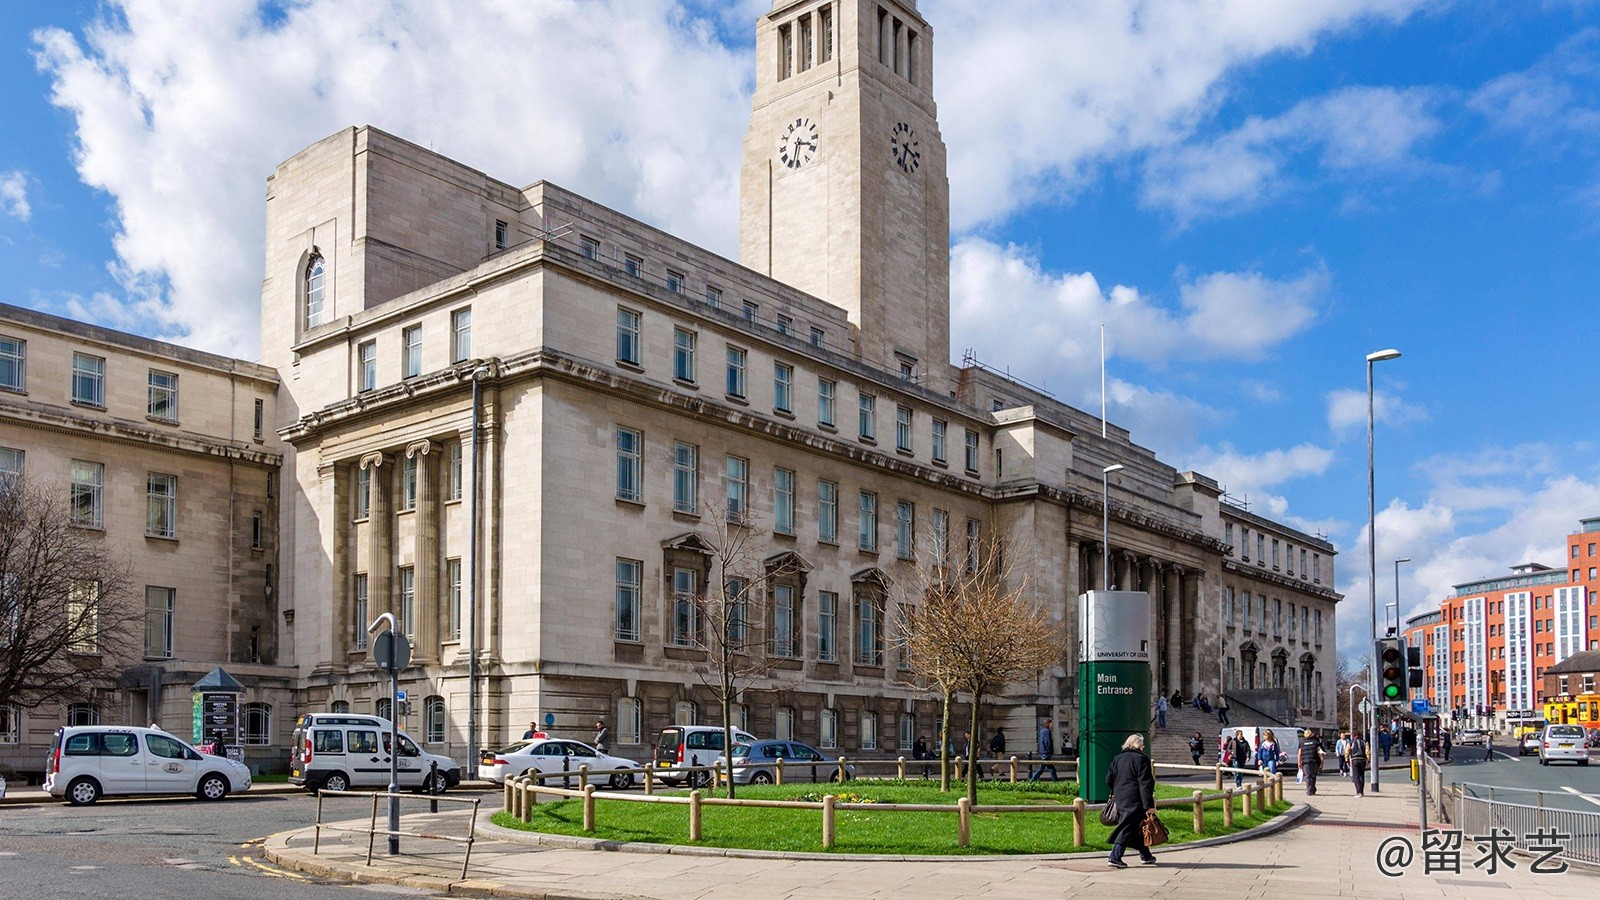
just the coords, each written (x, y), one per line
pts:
(865, 831)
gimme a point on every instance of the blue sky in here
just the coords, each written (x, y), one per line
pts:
(1252, 195)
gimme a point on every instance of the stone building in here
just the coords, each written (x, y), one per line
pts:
(170, 455)
(620, 378)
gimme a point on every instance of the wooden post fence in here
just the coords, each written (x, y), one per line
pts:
(1227, 808)
(694, 816)
(963, 822)
(588, 806)
(1199, 811)
(1078, 823)
(827, 821)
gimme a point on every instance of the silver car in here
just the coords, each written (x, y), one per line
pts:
(1564, 742)
(757, 763)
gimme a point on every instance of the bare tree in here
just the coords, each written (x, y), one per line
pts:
(1352, 670)
(732, 620)
(68, 621)
(973, 626)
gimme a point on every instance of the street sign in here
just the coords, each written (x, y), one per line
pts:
(400, 696)
(1366, 707)
(392, 652)
(1419, 705)
(1114, 680)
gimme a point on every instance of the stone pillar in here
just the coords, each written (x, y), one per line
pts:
(1193, 586)
(1122, 569)
(1172, 645)
(1096, 566)
(337, 490)
(380, 534)
(489, 511)
(426, 553)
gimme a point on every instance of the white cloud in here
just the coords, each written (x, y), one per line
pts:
(1551, 100)
(1244, 474)
(1351, 133)
(14, 195)
(1347, 410)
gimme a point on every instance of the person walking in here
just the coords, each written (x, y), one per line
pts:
(1488, 746)
(1222, 708)
(1197, 746)
(1309, 760)
(1161, 711)
(602, 737)
(1267, 753)
(1338, 752)
(1385, 741)
(1447, 742)
(1047, 745)
(919, 750)
(1355, 751)
(1133, 790)
(1241, 754)
(997, 749)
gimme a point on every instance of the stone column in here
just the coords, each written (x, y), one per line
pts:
(426, 553)
(336, 492)
(489, 506)
(380, 534)
(1122, 570)
(1193, 585)
(1096, 565)
(1172, 614)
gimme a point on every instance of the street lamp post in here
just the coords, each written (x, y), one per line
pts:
(478, 375)
(1396, 603)
(1372, 563)
(1105, 523)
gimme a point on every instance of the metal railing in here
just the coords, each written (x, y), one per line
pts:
(1483, 809)
(372, 830)
(1435, 793)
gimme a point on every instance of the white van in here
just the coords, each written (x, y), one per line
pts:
(1287, 738)
(682, 746)
(92, 761)
(339, 751)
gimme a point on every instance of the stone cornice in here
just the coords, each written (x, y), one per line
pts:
(62, 421)
(1248, 570)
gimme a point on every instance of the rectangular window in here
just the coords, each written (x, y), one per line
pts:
(83, 616)
(974, 544)
(502, 235)
(88, 493)
(411, 352)
(713, 297)
(455, 470)
(628, 576)
(1261, 549)
(162, 403)
(828, 729)
(630, 465)
(905, 529)
(13, 364)
(633, 265)
(367, 366)
(628, 336)
(869, 731)
(683, 351)
(827, 512)
(738, 488)
(358, 602)
(11, 463)
(260, 418)
(589, 247)
(452, 579)
(940, 427)
(806, 43)
(941, 537)
(257, 530)
(1227, 534)
(685, 477)
(868, 537)
(1316, 567)
(972, 451)
(783, 637)
(825, 42)
(685, 611)
(158, 622)
(1274, 554)
(785, 52)
(1303, 571)
(1249, 614)
(783, 501)
(736, 361)
(816, 336)
(869, 634)
(407, 613)
(752, 311)
(902, 428)
(408, 483)
(782, 387)
(1244, 544)
(363, 493)
(161, 506)
(629, 720)
(866, 416)
(88, 380)
(1288, 558)
(785, 325)
(461, 335)
(1229, 600)
(827, 618)
(825, 396)
(675, 281)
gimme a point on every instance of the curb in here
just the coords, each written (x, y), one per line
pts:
(38, 797)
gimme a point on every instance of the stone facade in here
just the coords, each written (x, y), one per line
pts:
(205, 421)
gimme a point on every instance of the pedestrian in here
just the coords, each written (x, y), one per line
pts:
(1355, 751)
(1385, 739)
(1447, 743)
(1241, 754)
(919, 750)
(1338, 752)
(1161, 711)
(1177, 700)
(965, 747)
(997, 744)
(1488, 746)
(602, 737)
(1267, 753)
(1222, 708)
(1197, 746)
(533, 732)
(1047, 744)
(1310, 760)
(1133, 790)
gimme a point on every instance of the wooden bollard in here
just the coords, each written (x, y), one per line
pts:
(1248, 790)
(844, 773)
(530, 798)
(1199, 811)
(649, 782)
(827, 821)
(588, 807)
(1078, 822)
(1218, 769)
(963, 822)
(1013, 770)
(1227, 808)
(957, 762)
(583, 776)
(511, 796)
(900, 768)
(779, 768)
(694, 815)
(1277, 787)
(716, 773)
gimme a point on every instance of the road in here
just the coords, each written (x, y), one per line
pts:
(160, 848)
(1565, 785)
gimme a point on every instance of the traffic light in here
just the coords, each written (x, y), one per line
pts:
(1391, 672)
(1413, 666)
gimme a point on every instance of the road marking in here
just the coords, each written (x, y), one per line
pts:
(1580, 795)
(274, 871)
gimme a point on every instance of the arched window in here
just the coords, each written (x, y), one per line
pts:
(433, 709)
(628, 720)
(83, 714)
(385, 708)
(683, 713)
(316, 311)
(341, 706)
(257, 724)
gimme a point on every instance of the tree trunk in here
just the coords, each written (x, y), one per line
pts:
(944, 745)
(972, 764)
(727, 729)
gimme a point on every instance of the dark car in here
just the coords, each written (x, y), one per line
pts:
(757, 763)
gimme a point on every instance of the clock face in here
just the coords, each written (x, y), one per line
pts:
(798, 143)
(903, 148)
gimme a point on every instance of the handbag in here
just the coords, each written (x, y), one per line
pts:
(1154, 831)
(1109, 815)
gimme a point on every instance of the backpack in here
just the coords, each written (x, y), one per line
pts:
(1357, 750)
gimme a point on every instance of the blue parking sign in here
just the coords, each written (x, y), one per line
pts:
(1419, 705)
(400, 696)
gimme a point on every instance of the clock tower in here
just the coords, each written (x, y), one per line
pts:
(843, 192)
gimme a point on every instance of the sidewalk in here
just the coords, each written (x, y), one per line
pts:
(1333, 852)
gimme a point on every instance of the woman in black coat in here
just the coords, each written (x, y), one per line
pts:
(1133, 789)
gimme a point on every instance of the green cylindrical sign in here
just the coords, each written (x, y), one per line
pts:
(1113, 682)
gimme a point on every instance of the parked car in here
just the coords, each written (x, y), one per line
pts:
(1529, 743)
(681, 746)
(554, 755)
(1563, 743)
(339, 751)
(757, 763)
(93, 761)
(1471, 736)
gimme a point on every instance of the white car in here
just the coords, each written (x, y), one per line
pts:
(1563, 742)
(94, 761)
(554, 755)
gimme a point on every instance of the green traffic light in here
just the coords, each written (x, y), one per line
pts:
(1391, 691)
